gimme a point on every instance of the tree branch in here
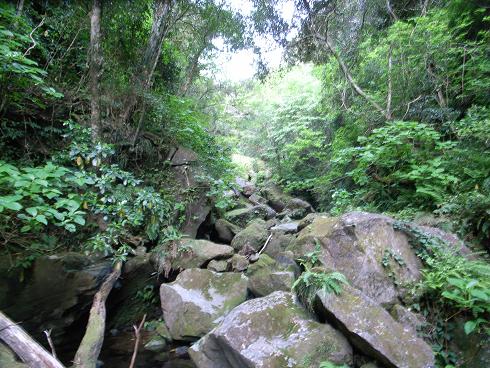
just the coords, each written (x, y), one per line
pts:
(89, 349)
(28, 350)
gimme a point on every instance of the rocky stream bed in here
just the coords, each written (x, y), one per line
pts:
(225, 298)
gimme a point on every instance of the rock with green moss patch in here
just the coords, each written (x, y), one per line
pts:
(266, 276)
(273, 331)
(253, 236)
(226, 230)
(218, 266)
(199, 299)
(242, 216)
(8, 358)
(197, 252)
(239, 263)
(373, 330)
(364, 247)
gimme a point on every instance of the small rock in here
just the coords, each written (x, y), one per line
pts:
(253, 236)
(226, 230)
(198, 251)
(266, 276)
(286, 228)
(246, 187)
(239, 263)
(218, 266)
(242, 216)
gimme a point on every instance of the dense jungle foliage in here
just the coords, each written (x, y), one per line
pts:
(381, 107)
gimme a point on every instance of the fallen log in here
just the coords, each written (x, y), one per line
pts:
(26, 348)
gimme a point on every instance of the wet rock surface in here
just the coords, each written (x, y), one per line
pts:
(272, 331)
(373, 331)
(198, 300)
(364, 247)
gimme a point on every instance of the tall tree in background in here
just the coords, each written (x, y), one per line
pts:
(143, 77)
(95, 68)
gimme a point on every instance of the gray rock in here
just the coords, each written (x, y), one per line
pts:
(297, 208)
(276, 198)
(218, 266)
(286, 228)
(246, 187)
(253, 236)
(278, 244)
(199, 299)
(183, 156)
(255, 199)
(373, 331)
(364, 247)
(407, 318)
(198, 251)
(56, 292)
(270, 332)
(226, 230)
(239, 263)
(242, 216)
(266, 276)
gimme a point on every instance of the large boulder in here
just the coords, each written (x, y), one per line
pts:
(226, 230)
(196, 253)
(364, 247)
(242, 216)
(253, 236)
(55, 293)
(278, 243)
(373, 331)
(272, 331)
(276, 198)
(473, 349)
(245, 187)
(198, 300)
(297, 209)
(267, 275)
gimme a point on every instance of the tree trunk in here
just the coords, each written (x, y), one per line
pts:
(95, 68)
(31, 353)
(191, 72)
(19, 8)
(142, 80)
(89, 349)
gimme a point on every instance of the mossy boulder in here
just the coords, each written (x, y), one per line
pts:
(198, 300)
(266, 276)
(366, 248)
(252, 237)
(297, 209)
(373, 330)
(242, 216)
(197, 252)
(226, 230)
(273, 331)
(276, 198)
(473, 349)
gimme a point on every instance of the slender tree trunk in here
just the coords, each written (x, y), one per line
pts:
(191, 72)
(28, 350)
(143, 78)
(95, 68)
(391, 11)
(89, 349)
(19, 8)
(389, 114)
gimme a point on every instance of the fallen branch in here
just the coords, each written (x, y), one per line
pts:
(137, 334)
(89, 349)
(265, 245)
(34, 43)
(27, 349)
(50, 342)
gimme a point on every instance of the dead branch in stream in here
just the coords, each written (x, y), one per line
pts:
(89, 349)
(27, 349)
(137, 335)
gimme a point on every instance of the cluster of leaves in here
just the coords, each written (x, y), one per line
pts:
(463, 281)
(315, 279)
